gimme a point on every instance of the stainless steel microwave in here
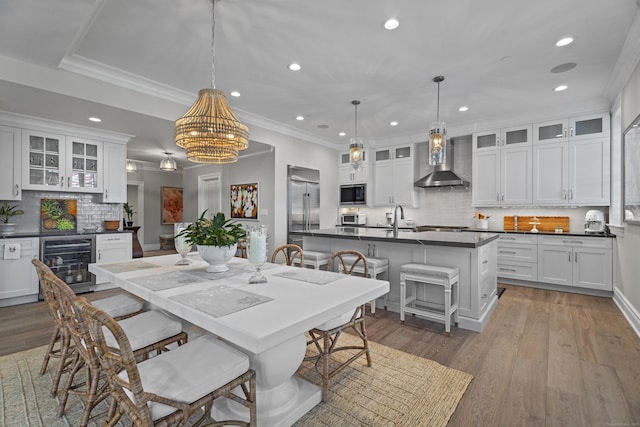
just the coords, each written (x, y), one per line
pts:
(353, 194)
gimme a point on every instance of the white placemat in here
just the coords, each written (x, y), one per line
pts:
(169, 280)
(221, 300)
(123, 267)
(317, 277)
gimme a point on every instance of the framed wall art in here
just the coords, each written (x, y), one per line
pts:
(244, 201)
(171, 205)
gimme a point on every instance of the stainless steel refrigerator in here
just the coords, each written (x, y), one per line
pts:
(303, 198)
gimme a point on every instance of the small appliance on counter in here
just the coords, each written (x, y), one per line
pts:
(594, 222)
(356, 218)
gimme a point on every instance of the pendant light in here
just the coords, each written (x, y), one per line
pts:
(131, 166)
(437, 134)
(356, 153)
(168, 164)
(209, 131)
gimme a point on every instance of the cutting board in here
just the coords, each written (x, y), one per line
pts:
(547, 223)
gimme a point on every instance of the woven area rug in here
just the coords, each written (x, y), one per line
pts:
(399, 390)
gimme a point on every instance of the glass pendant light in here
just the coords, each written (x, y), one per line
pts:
(437, 134)
(131, 166)
(168, 164)
(210, 132)
(356, 153)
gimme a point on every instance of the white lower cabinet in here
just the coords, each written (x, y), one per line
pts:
(18, 277)
(585, 262)
(518, 256)
(115, 247)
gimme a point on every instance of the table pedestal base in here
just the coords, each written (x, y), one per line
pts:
(281, 398)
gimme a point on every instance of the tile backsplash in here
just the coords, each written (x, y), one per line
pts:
(91, 211)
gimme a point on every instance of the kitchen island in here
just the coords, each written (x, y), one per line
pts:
(474, 253)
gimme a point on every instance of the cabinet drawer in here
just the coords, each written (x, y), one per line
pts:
(577, 241)
(515, 252)
(104, 239)
(518, 270)
(518, 238)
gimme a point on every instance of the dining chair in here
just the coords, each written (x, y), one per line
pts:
(170, 388)
(118, 306)
(325, 337)
(151, 332)
(290, 252)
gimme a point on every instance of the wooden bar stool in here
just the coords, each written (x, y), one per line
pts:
(423, 274)
(315, 259)
(375, 267)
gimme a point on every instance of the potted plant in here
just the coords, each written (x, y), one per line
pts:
(217, 239)
(6, 212)
(128, 209)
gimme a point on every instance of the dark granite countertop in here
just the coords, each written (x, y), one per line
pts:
(437, 238)
(548, 233)
(27, 234)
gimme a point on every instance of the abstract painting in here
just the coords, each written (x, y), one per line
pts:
(244, 201)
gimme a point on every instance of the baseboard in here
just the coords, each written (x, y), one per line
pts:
(628, 310)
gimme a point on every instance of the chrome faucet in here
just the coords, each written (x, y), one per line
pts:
(395, 219)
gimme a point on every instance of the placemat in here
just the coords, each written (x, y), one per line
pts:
(317, 277)
(123, 267)
(220, 300)
(172, 279)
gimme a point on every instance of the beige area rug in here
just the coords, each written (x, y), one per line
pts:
(399, 390)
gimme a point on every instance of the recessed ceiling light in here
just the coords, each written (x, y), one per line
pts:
(463, 108)
(342, 134)
(564, 41)
(561, 88)
(295, 67)
(95, 119)
(235, 93)
(391, 24)
(393, 123)
(300, 118)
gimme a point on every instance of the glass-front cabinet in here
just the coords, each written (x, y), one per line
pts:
(56, 162)
(513, 136)
(573, 128)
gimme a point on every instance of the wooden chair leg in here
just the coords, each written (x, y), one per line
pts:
(55, 338)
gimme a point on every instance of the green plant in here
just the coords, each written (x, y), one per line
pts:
(128, 209)
(216, 231)
(7, 211)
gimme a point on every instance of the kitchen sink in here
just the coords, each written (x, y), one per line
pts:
(439, 228)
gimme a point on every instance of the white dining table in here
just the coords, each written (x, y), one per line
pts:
(267, 321)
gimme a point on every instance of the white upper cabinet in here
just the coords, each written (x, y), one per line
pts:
(10, 164)
(394, 176)
(574, 128)
(571, 162)
(346, 173)
(508, 137)
(115, 175)
(502, 173)
(54, 162)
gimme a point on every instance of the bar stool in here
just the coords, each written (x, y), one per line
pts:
(423, 274)
(375, 267)
(315, 259)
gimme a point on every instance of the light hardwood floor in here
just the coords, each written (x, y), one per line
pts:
(544, 359)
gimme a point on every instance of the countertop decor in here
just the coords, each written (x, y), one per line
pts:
(543, 224)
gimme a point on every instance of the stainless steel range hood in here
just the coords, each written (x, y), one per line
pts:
(443, 175)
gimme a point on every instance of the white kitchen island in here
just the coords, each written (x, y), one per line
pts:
(474, 253)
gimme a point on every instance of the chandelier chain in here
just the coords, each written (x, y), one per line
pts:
(213, 39)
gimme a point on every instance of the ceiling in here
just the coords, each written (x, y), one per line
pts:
(138, 64)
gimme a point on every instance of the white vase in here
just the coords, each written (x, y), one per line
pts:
(217, 256)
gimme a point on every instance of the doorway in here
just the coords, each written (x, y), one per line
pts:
(135, 198)
(210, 193)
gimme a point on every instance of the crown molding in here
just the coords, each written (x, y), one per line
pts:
(628, 59)
(46, 125)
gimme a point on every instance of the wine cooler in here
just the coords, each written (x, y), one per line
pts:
(69, 258)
